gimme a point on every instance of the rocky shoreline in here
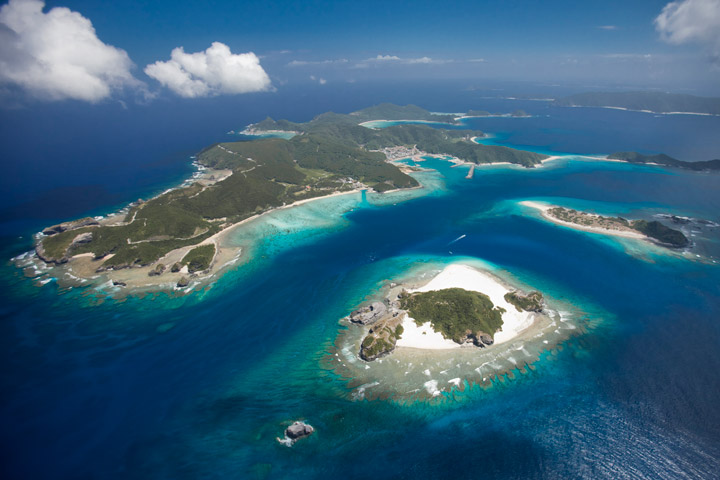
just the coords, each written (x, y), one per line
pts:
(385, 320)
(418, 363)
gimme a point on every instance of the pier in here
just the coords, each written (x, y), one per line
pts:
(470, 173)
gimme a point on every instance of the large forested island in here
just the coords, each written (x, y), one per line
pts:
(174, 235)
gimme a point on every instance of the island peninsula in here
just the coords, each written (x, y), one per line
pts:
(176, 236)
(650, 231)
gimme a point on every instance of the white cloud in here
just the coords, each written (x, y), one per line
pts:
(476, 60)
(301, 63)
(385, 59)
(627, 56)
(691, 21)
(57, 55)
(321, 80)
(422, 60)
(607, 27)
(212, 72)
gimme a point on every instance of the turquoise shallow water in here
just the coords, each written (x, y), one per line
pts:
(200, 386)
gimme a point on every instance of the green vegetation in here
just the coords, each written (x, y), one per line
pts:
(199, 258)
(267, 173)
(532, 302)
(478, 113)
(344, 129)
(666, 161)
(588, 219)
(652, 229)
(657, 102)
(388, 111)
(661, 233)
(454, 312)
(333, 153)
(57, 246)
(381, 339)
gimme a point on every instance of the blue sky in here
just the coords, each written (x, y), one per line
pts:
(611, 43)
(467, 28)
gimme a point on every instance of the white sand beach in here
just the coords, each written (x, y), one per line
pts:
(544, 207)
(469, 278)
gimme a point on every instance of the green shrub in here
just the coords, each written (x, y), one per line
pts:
(199, 258)
(453, 311)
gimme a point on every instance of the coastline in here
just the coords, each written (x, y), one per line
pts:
(433, 368)
(81, 269)
(643, 111)
(543, 208)
(459, 275)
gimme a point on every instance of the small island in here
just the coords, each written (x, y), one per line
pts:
(650, 102)
(652, 231)
(664, 161)
(462, 316)
(464, 323)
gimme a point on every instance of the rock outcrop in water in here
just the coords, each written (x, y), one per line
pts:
(369, 314)
(382, 338)
(295, 432)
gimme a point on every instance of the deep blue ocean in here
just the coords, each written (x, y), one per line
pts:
(199, 386)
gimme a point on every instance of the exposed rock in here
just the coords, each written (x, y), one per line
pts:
(118, 283)
(469, 338)
(479, 339)
(47, 258)
(176, 267)
(183, 282)
(369, 314)
(82, 238)
(299, 430)
(43, 255)
(158, 270)
(75, 224)
(382, 338)
(295, 432)
(680, 220)
(484, 338)
(532, 302)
